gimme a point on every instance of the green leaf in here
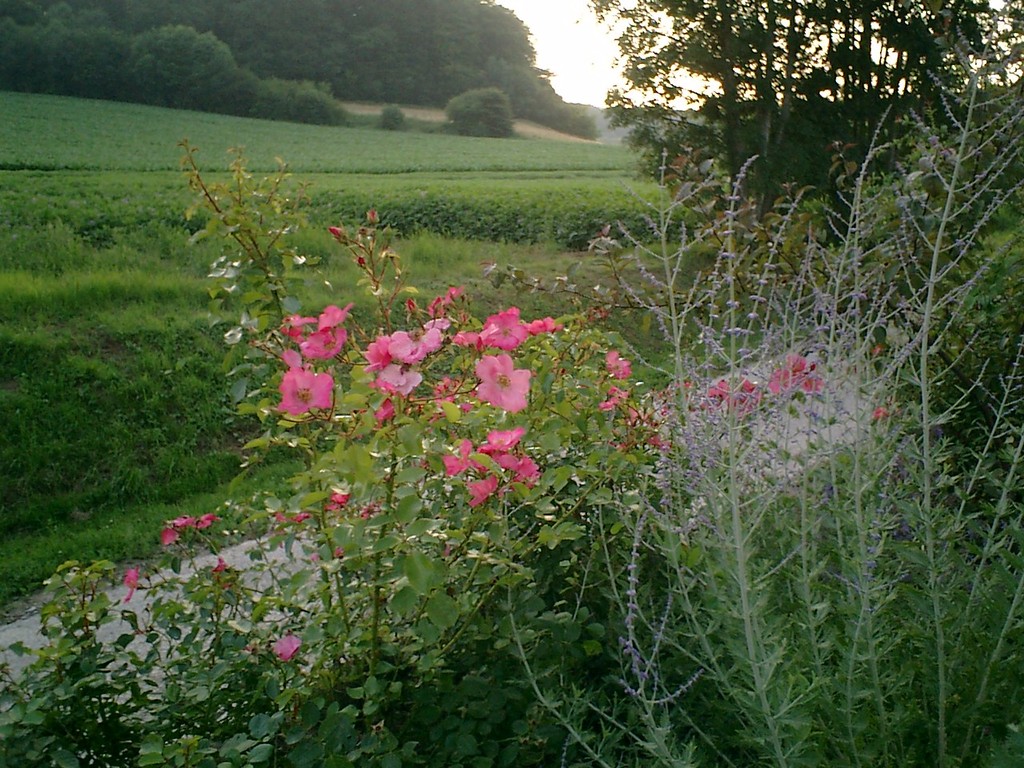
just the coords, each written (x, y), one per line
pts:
(310, 714)
(410, 476)
(65, 759)
(404, 601)
(591, 647)
(261, 726)
(442, 611)
(307, 753)
(408, 509)
(452, 412)
(238, 390)
(421, 572)
(260, 754)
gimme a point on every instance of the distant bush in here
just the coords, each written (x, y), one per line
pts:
(298, 102)
(392, 118)
(535, 99)
(481, 112)
(177, 67)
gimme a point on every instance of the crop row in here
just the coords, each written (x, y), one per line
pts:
(566, 212)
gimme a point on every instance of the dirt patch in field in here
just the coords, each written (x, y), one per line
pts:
(433, 115)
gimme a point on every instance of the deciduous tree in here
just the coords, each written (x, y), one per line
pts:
(780, 79)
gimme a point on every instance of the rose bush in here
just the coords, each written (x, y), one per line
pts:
(455, 474)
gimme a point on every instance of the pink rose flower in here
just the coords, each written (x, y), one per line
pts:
(481, 490)
(385, 413)
(527, 471)
(796, 373)
(378, 354)
(324, 343)
(286, 647)
(500, 384)
(302, 389)
(617, 366)
(337, 501)
(206, 521)
(332, 316)
(294, 326)
(744, 399)
(467, 339)
(131, 580)
(502, 441)
(547, 325)
(398, 379)
(437, 307)
(440, 323)
(504, 330)
(454, 465)
(411, 347)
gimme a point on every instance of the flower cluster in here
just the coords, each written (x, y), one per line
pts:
(797, 374)
(501, 446)
(172, 532)
(302, 389)
(397, 359)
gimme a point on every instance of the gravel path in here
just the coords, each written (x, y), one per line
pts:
(26, 628)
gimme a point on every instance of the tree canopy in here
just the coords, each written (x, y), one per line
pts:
(416, 52)
(785, 79)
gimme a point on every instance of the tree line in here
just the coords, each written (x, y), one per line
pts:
(285, 59)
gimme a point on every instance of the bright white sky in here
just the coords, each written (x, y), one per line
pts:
(579, 52)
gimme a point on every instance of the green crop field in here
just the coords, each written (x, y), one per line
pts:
(113, 404)
(61, 133)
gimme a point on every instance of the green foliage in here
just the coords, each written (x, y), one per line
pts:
(481, 112)
(392, 118)
(297, 102)
(177, 67)
(568, 214)
(172, 66)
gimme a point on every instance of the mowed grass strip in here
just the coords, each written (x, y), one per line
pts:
(62, 133)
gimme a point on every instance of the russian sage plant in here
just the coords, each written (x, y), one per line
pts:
(826, 567)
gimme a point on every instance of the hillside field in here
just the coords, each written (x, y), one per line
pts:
(63, 133)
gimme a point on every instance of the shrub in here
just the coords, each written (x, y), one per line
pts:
(481, 112)
(392, 118)
(298, 102)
